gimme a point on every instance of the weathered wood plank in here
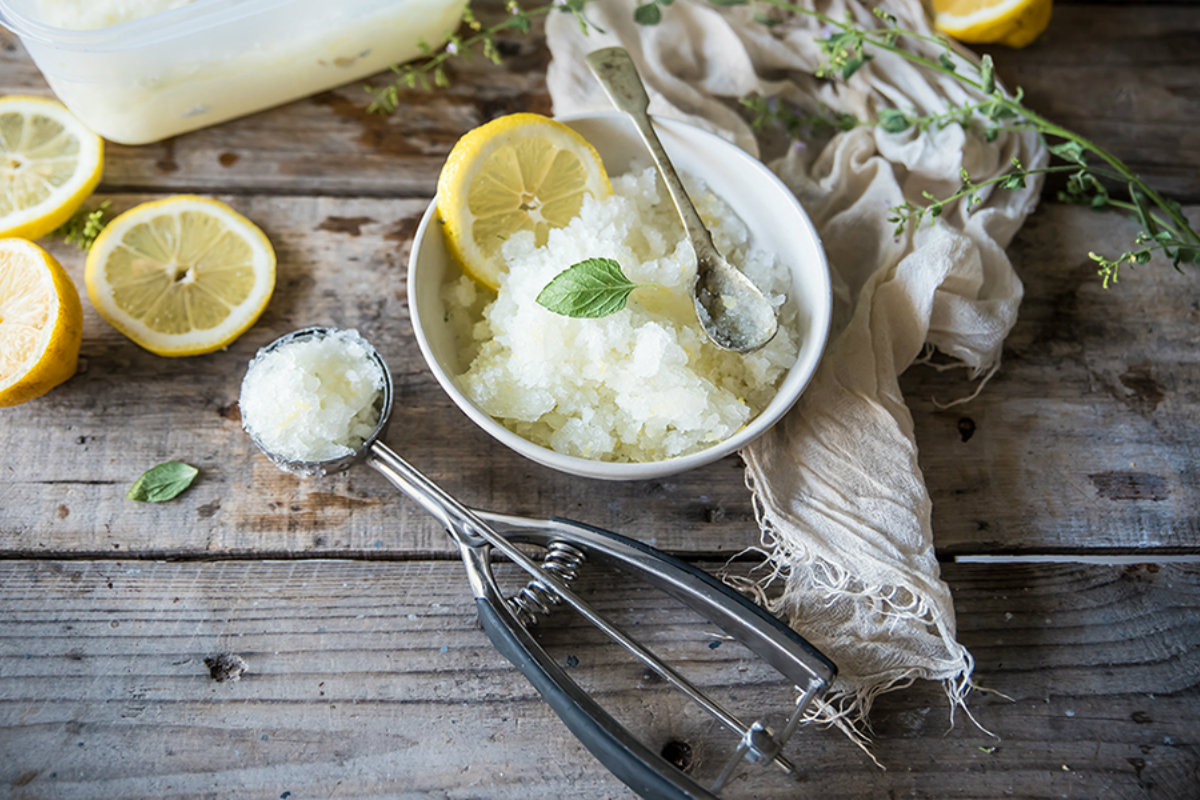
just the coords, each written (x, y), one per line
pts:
(1129, 73)
(1082, 441)
(1123, 77)
(1087, 431)
(370, 679)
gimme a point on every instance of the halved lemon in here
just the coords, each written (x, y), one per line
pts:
(181, 276)
(521, 172)
(49, 163)
(41, 322)
(1015, 23)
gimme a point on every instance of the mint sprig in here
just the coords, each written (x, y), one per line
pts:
(595, 287)
(163, 482)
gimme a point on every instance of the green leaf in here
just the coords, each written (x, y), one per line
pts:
(1187, 255)
(162, 483)
(648, 14)
(763, 19)
(1069, 151)
(1014, 180)
(595, 287)
(853, 64)
(946, 62)
(893, 120)
(1143, 210)
(987, 74)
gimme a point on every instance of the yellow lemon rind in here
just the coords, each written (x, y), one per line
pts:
(1015, 23)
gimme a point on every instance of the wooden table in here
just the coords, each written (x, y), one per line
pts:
(1066, 503)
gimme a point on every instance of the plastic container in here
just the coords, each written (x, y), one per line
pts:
(212, 60)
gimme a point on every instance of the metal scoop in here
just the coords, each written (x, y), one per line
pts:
(567, 547)
(731, 309)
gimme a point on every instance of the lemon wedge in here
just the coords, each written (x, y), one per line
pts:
(521, 172)
(181, 276)
(1015, 23)
(41, 322)
(49, 163)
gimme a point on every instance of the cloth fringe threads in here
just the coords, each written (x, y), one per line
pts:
(844, 514)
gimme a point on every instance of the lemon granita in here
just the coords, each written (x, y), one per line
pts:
(85, 15)
(641, 384)
(313, 398)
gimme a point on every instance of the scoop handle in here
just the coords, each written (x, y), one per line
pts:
(641, 769)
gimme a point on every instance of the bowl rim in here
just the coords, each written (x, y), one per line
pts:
(794, 382)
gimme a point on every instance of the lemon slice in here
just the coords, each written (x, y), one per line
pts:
(1015, 23)
(49, 164)
(521, 172)
(181, 276)
(41, 322)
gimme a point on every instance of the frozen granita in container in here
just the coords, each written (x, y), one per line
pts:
(137, 71)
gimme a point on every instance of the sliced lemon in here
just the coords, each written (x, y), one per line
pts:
(1015, 23)
(521, 172)
(181, 276)
(49, 163)
(41, 322)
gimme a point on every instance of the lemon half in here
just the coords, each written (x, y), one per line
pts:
(49, 163)
(1015, 23)
(41, 322)
(521, 172)
(181, 276)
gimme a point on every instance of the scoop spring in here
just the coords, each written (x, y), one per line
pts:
(536, 599)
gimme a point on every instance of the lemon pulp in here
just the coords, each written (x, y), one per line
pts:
(520, 172)
(181, 276)
(41, 322)
(49, 164)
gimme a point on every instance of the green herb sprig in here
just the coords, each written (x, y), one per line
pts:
(162, 483)
(82, 228)
(431, 71)
(594, 287)
(1090, 168)
(1095, 177)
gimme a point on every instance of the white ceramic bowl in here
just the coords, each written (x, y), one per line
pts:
(777, 223)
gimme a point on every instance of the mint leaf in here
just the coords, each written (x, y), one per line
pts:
(162, 483)
(595, 287)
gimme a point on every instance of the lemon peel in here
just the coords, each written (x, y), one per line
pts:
(1015, 23)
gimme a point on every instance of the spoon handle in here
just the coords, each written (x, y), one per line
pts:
(616, 72)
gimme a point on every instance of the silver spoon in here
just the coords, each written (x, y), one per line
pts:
(732, 311)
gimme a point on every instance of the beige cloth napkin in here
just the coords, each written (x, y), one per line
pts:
(844, 512)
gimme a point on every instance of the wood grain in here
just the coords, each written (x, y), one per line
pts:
(1081, 442)
(1120, 75)
(370, 679)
